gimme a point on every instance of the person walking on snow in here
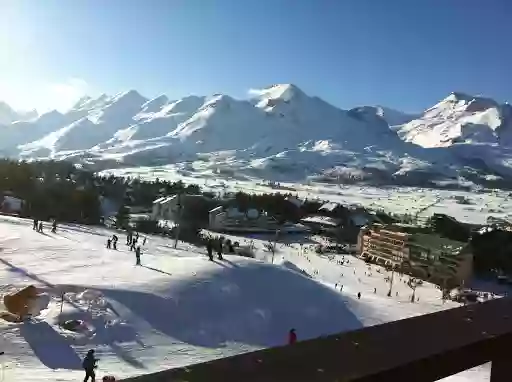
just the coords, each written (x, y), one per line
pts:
(137, 256)
(89, 364)
(109, 242)
(35, 225)
(54, 226)
(40, 227)
(292, 337)
(209, 249)
(114, 241)
(219, 248)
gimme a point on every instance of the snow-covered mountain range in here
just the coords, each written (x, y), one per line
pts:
(280, 133)
(8, 115)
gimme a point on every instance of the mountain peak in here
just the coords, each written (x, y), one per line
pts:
(275, 94)
(8, 115)
(155, 104)
(132, 95)
(459, 96)
(284, 92)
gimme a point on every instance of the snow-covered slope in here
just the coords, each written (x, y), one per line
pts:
(8, 115)
(460, 118)
(390, 116)
(178, 308)
(279, 133)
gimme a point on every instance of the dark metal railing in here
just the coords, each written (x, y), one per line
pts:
(419, 349)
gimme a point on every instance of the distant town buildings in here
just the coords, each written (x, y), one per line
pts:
(422, 255)
(233, 220)
(339, 221)
(11, 204)
(173, 207)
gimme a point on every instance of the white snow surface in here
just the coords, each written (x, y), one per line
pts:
(460, 118)
(280, 133)
(178, 308)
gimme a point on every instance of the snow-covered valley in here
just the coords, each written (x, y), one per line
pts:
(178, 308)
(416, 201)
(280, 133)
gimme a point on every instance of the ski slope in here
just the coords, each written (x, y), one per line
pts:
(178, 308)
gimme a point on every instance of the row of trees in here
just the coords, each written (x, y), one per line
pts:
(51, 190)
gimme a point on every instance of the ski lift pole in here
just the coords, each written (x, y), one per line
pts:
(274, 246)
(179, 222)
(61, 306)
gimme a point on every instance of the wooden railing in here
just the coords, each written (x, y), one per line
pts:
(420, 349)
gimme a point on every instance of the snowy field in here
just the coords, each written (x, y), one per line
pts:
(411, 200)
(178, 308)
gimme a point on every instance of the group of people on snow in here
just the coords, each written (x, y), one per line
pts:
(112, 242)
(219, 244)
(132, 241)
(38, 226)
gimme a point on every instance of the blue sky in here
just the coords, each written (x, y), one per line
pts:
(405, 54)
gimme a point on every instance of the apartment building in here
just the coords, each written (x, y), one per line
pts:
(426, 256)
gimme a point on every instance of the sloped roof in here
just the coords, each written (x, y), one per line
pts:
(323, 220)
(330, 206)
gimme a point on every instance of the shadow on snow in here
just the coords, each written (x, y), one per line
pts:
(255, 304)
(53, 350)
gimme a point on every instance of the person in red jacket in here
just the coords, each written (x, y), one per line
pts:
(292, 337)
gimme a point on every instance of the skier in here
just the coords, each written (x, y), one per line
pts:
(137, 255)
(374, 290)
(144, 242)
(292, 337)
(89, 364)
(35, 225)
(109, 242)
(359, 295)
(209, 249)
(114, 241)
(54, 226)
(40, 227)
